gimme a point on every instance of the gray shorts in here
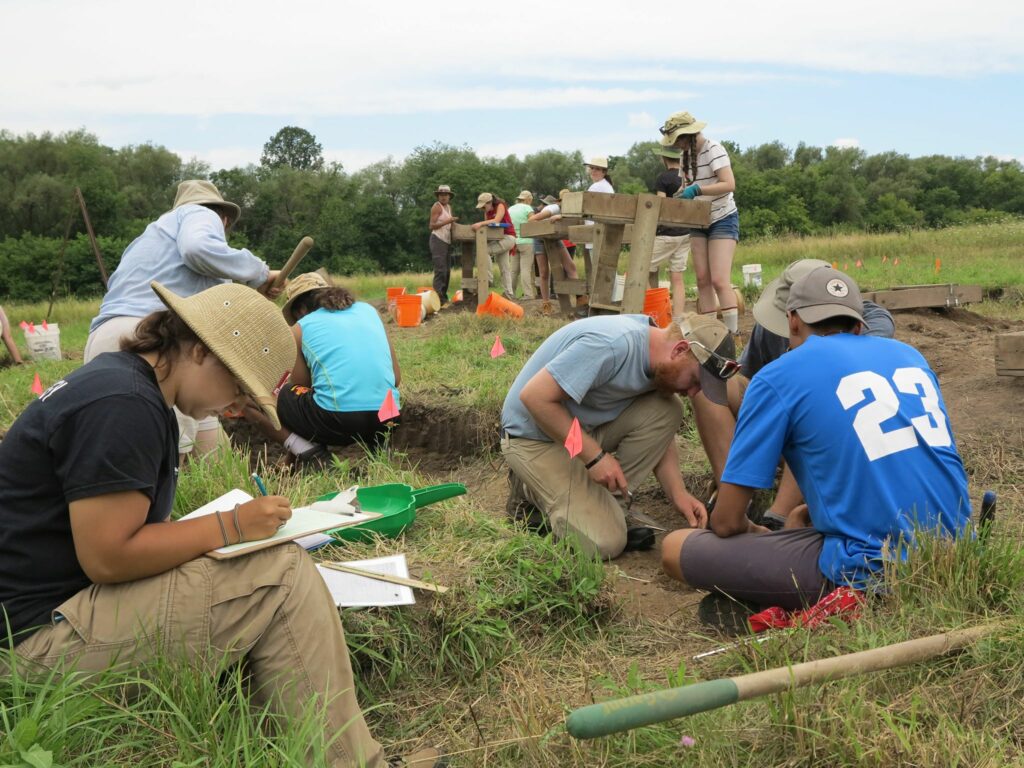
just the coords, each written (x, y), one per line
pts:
(777, 568)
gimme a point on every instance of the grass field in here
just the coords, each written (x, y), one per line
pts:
(531, 629)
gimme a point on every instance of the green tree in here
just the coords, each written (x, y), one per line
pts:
(293, 147)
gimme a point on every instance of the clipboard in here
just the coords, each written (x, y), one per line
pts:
(304, 521)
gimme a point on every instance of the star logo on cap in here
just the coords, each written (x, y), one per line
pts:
(837, 287)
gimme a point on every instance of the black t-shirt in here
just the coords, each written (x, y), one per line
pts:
(669, 183)
(102, 429)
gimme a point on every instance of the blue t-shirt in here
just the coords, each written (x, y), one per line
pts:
(861, 423)
(349, 358)
(602, 363)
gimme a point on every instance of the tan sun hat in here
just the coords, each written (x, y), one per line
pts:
(444, 189)
(598, 161)
(310, 281)
(713, 346)
(549, 199)
(484, 199)
(525, 195)
(678, 124)
(563, 192)
(770, 309)
(245, 332)
(201, 192)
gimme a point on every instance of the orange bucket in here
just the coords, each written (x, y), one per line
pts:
(409, 310)
(499, 306)
(658, 305)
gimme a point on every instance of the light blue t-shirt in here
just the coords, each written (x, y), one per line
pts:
(185, 250)
(602, 363)
(349, 358)
(861, 422)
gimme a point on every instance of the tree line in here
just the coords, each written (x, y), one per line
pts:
(375, 219)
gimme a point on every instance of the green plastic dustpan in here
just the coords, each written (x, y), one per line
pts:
(397, 503)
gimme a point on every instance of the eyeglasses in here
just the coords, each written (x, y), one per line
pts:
(722, 367)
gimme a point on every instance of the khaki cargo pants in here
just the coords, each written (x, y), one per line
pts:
(562, 489)
(271, 607)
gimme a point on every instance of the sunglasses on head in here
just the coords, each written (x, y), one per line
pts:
(722, 367)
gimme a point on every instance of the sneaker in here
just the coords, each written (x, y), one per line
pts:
(728, 615)
(317, 459)
(509, 296)
(522, 511)
(431, 757)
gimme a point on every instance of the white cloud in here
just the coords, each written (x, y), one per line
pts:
(846, 143)
(641, 120)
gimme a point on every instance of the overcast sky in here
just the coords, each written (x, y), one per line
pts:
(216, 79)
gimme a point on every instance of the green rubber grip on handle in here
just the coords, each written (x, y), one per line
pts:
(648, 708)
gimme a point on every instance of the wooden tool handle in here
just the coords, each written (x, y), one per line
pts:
(297, 255)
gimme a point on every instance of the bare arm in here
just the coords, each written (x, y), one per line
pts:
(545, 400)
(730, 515)
(439, 218)
(114, 543)
(301, 377)
(497, 215)
(724, 184)
(672, 483)
(394, 362)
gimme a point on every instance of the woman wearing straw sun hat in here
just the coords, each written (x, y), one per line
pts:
(95, 575)
(440, 243)
(707, 173)
(343, 372)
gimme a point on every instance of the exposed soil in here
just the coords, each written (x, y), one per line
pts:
(446, 442)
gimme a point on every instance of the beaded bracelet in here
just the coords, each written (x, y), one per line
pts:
(594, 460)
(223, 530)
(234, 516)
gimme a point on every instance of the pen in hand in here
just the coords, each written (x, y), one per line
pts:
(259, 484)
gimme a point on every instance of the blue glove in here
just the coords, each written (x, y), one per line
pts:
(691, 192)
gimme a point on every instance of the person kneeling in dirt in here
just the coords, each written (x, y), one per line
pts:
(94, 574)
(769, 340)
(343, 372)
(861, 422)
(619, 376)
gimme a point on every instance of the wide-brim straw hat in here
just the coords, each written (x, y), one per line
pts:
(245, 331)
(549, 199)
(444, 189)
(678, 124)
(310, 281)
(598, 161)
(201, 192)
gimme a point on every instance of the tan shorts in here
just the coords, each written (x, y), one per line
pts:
(107, 338)
(674, 250)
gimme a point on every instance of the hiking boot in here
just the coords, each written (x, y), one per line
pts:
(638, 538)
(521, 510)
(728, 615)
(316, 459)
(546, 308)
(431, 757)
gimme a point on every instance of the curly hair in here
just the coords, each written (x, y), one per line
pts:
(336, 298)
(163, 332)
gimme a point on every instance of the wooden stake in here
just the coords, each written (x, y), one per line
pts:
(92, 237)
(401, 580)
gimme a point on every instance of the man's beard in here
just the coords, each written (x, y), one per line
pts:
(666, 375)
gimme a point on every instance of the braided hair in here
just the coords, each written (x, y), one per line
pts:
(688, 157)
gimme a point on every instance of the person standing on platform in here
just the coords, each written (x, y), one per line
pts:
(441, 221)
(519, 213)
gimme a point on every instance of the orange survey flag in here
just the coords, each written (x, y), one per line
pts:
(498, 349)
(388, 409)
(574, 440)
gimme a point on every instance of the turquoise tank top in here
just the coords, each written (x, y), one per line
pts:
(348, 357)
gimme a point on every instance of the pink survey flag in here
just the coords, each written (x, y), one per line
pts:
(388, 409)
(860, 264)
(574, 440)
(37, 386)
(45, 326)
(31, 327)
(498, 349)
(885, 258)
(23, 325)
(896, 261)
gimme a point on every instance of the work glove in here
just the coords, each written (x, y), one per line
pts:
(691, 192)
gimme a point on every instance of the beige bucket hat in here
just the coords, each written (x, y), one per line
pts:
(598, 161)
(444, 189)
(310, 281)
(770, 309)
(525, 195)
(678, 124)
(201, 192)
(246, 333)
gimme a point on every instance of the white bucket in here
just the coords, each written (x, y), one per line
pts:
(619, 288)
(752, 275)
(43, 343)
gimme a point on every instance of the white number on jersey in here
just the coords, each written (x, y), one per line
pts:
(931, 425)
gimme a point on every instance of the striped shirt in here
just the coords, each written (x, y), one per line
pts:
(711, 159)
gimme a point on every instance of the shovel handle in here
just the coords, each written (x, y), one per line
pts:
(297, 255)
(434, 493)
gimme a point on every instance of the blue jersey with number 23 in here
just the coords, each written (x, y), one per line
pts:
(861, 422)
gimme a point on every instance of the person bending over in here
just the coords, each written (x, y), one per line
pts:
(861, 422)
(619, 376)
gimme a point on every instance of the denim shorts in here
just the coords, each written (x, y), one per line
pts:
(723, 229)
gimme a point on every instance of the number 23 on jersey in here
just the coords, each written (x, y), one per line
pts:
(930, 425)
